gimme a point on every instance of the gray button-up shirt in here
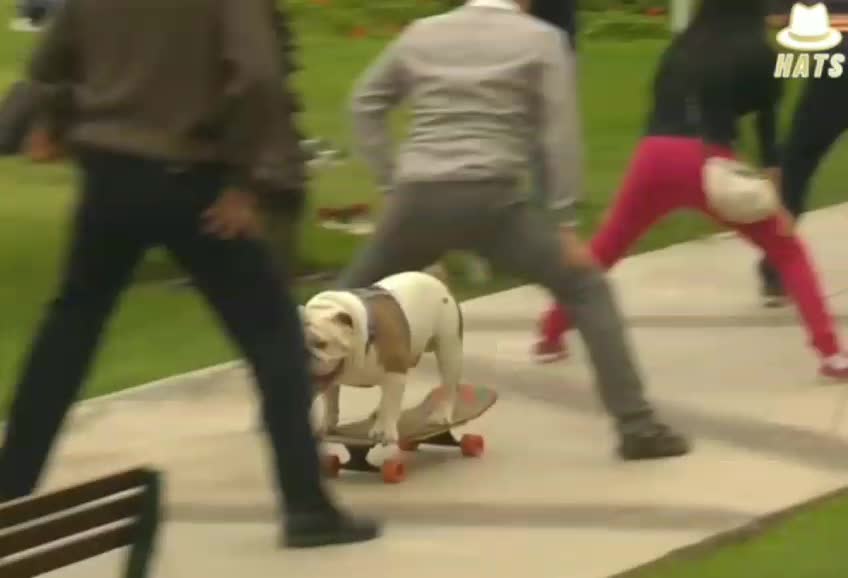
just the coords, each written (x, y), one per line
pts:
(487, 86)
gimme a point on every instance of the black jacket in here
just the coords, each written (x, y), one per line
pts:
(559, 13)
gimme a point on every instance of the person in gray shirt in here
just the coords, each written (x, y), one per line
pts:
(479, 106)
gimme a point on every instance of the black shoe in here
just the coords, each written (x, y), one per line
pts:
(328, 528)
(772, 291)
(654, 442)
(773, 294)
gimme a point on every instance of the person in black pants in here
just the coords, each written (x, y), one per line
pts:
(178, 152)
(820, 119)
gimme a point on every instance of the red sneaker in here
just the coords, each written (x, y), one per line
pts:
(548, 351)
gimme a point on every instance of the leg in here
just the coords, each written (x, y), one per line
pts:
(635, 210)
(99, 266)
(400, 243)
(818, 123)
(527, 246)
(332, 397)
(590, 299)
(385, 428)
(449, 357)
(240, 282)
(788, 255)
(814, 131)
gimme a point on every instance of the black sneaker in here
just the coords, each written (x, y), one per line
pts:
(654, 442)
(327, 529)
(772, 291)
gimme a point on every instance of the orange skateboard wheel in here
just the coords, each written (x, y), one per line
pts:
(472, 445)
(394, 471)
(332, 465)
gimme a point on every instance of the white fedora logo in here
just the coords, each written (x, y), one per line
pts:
(809, 29)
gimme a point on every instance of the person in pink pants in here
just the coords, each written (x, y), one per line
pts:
(699, 94)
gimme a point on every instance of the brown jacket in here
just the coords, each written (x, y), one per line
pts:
(184, 81)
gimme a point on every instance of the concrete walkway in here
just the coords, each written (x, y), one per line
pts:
(548, 499)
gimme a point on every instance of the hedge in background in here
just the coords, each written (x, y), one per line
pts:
(364, 17)
(624, 19)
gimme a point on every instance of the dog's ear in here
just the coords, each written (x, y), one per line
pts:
(344, 318)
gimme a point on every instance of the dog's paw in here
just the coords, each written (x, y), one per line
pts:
(384, 432)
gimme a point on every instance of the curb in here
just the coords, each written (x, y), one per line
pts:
(186, 382)
(192, 379)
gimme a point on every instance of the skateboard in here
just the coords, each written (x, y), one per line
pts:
(413, 431)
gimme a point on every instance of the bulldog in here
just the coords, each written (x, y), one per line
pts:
(375, 336)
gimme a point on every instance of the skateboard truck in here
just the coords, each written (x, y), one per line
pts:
(393, 470)
(443, 439)
(358, 461)
(471, 445)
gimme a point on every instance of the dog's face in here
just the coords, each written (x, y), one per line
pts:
(330, 338)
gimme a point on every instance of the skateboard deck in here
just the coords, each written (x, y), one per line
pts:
(413, 430)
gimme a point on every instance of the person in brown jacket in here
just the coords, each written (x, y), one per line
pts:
(181, 124)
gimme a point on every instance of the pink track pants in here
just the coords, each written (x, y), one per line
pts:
(665, 176)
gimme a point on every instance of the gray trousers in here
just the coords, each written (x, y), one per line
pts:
(423, 221)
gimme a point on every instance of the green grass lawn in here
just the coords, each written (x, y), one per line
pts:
(808, 545)
(161, 331)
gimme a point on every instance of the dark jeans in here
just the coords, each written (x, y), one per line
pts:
(819, 121)
(128, 206)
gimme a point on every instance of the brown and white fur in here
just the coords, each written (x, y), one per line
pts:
(418, 316)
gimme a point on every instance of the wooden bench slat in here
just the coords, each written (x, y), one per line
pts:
(40, 534)
(62, 555)
(66, 525)
(27, 509)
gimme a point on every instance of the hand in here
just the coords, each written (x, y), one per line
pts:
(232, 215)
(41, 148)
(577, 254)
(775, 175)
